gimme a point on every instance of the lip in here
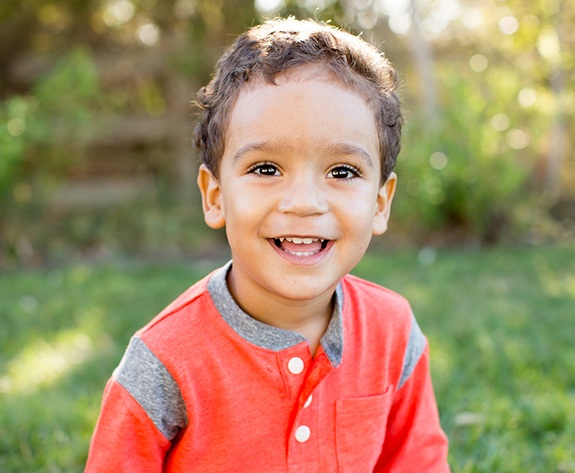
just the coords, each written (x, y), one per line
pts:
(309, 260)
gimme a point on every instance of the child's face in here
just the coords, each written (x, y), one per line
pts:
(299, 186)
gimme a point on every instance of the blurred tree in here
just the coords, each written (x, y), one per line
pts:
(489, 85)
(518, 59)
(148, 56)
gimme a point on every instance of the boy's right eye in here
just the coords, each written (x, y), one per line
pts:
(264, 169)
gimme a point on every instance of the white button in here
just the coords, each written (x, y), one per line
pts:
(295, 365)
(308, 402)
(302, 433)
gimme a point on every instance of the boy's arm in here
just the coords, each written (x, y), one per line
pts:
(142, 412)
(125, 439)
(414, 439)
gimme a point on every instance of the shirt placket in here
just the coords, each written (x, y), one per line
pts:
(304, 374)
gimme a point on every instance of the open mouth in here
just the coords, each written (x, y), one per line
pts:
(301, 246)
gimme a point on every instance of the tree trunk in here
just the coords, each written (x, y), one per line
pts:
(558, 132)
(423, 57)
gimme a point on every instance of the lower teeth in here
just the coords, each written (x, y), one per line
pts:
(302, 253)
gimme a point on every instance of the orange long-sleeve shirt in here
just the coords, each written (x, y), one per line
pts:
(206, 388)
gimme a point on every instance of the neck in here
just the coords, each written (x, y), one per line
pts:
(310, 318)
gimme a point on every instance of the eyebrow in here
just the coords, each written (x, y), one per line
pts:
(271, 147)
(348, 148)
(263, 146)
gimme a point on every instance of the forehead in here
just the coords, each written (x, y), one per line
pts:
(300, 76)
(306, 109)
(344, 79)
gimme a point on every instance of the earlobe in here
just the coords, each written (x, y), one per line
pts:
(383, 209)
(212, 204)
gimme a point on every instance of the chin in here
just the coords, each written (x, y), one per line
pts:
(301, 291)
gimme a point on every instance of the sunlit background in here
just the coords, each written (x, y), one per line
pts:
(101, 225)
(96, 160)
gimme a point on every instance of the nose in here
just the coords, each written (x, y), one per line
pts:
(304, 196)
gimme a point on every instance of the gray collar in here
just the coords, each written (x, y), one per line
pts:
(266, 336)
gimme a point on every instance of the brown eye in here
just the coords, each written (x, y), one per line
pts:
(343, 172)
(265, 169)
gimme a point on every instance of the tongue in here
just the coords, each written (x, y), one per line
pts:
(290, 246)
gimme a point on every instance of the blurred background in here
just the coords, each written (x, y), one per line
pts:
(96, 161)
(101, 225)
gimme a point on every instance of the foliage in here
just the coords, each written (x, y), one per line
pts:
(118, 74)
(501, 357)
(469, 169)
(42, 132)
(13, 115)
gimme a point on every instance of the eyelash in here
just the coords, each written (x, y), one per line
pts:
(348, 168)
(256, 169)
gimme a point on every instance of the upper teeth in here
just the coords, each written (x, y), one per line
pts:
(300, 241)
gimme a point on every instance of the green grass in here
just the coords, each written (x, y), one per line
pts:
(500, 324)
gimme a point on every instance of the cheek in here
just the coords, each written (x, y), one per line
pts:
(361, 206)
(363, 218)
(243, 208)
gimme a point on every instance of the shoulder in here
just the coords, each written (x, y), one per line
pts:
(180, 311)
(362, 295)
(142, 374)
(376, 310)
(185, 326)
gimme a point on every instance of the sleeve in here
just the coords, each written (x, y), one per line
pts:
(142, 412)
(414, 439)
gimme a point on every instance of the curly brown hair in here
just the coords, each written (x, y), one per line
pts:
(279, 45)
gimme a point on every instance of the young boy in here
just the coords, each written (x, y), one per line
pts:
(280, 361)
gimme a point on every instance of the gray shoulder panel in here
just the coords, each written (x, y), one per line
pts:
(413, 352)
(146, 378)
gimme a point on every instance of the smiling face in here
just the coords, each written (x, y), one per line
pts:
(298, 188)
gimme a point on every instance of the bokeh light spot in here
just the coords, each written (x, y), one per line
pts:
(438, 160)
(478, 62)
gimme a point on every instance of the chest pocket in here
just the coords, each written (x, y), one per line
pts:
(360, 431)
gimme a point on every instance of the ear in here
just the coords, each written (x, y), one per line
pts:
(383, 209)
(212, 198)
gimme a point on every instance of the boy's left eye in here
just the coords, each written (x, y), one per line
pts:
(343, 172)
(264, 169)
